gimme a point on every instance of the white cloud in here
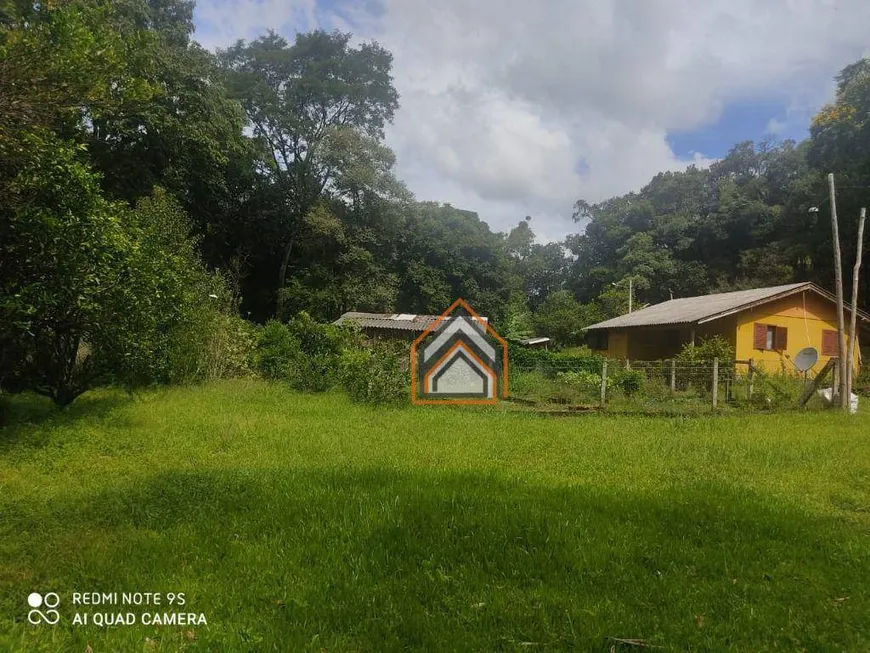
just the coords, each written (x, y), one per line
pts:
(775, 127)
(501, 99)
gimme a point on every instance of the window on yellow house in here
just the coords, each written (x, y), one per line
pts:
(830, 343)
(769, 337)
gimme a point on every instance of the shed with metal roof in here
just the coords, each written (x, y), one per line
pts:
(403, 326)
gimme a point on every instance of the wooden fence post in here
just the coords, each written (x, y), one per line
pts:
(751, 377)
(673, 376)
(715, 382)
(603, 382)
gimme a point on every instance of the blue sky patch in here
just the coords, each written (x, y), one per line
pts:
(740, 121)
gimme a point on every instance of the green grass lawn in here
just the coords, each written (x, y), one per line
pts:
(298, 522)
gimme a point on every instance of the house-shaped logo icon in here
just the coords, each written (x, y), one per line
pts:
(459, 359)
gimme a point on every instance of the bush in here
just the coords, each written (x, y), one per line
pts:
(276, 352)
(630, 382)
(377, 374)
(776, 390)
(526, 358)
(706, 350)
(589, 381)
(321, 346)
(698, 359)
(305, 353)
(229, 348)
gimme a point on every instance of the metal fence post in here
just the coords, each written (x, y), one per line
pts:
(715, 381)
(603, 382)
(673, 376)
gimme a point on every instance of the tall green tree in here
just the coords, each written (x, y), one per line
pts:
(317, 109)
(449, 253)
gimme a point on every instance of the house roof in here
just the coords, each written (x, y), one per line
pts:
(397, 321)
(706, 308)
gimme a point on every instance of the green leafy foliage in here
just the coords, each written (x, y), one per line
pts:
(563, 318)
(65, 259)
(589, 381)
(276, 352)
(303, 352)
(706, 350)
(183, 317)
(153, 191)
(521, 357)
(630, 382)
(376, 374)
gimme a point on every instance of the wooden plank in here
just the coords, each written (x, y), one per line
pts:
(751, 377)
(715, 382)
(811, 389)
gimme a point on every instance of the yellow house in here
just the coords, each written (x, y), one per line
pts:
(766, 325)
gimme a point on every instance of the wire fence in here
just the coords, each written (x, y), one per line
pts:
(677, 386)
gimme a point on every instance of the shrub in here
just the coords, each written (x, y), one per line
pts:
(525, 358)
(228, 348)
(697, 360)
(778, 390)
(211, 341)
(630, 382)
(321, 346)
(706, 350)
(305, 353)
(276, 352)
(377, 374)
(589, 381)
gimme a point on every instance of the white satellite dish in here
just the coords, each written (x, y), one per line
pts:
(806, 358)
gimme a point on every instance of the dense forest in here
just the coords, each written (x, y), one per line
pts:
(154, 191)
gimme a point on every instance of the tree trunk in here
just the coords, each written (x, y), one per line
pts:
(854, 316)
(282, 278)
(838, 282)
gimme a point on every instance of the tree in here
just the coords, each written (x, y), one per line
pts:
(741, 223)
(540, 268)
(519, 242)
(92, 290)
(317, 109)
(447, 253)
(62, 268)
(64, 62)
(563, 318)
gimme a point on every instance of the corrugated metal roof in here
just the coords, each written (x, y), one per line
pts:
(397, 321)
(416, 323)
(688, 310)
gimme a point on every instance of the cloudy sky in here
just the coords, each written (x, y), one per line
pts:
(513, 108)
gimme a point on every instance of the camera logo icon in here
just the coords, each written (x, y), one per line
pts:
(49, 616)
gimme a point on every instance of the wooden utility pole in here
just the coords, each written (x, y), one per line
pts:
(838, 282)
(854, 316)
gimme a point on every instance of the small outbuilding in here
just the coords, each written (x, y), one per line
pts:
(536, 343)
(394, 326)
(768, 325)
